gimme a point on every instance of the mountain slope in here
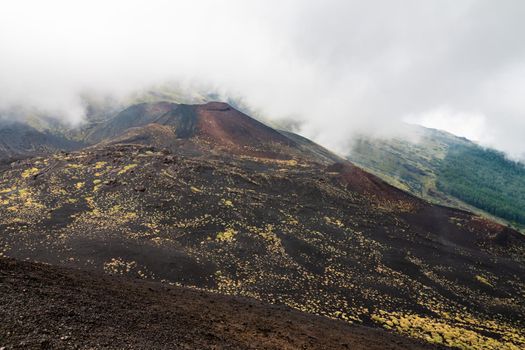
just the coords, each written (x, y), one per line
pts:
(286, 227)
(217, 122)
(449, 170)
(196, 129)
(168, 125)
(19, 140)
(485, 179)
(50, 307)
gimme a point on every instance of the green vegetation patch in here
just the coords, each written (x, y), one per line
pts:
(485, 179)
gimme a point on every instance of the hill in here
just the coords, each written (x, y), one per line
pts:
(449, 170)
(47, 307)
(20, 140)
(242, 209)
(485, 179)
(212, 126)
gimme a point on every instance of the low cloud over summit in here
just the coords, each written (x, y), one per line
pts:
(337, 67)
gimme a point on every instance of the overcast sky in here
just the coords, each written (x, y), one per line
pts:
(337, 66)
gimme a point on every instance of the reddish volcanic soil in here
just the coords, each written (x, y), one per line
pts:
(227, 126)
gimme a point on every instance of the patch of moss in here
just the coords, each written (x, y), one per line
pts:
(29, 172)
(227, 235)
(126, 168)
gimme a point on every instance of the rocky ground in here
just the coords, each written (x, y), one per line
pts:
(46, 307)
(206, 197)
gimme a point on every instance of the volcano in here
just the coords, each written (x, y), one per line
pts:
(212, 127)
(203, 196)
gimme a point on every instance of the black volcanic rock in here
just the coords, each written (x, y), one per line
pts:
(233, 206)
(132, 117)
(333, 241)
(56, 308)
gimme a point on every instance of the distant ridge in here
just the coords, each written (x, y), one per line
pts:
(448, 170)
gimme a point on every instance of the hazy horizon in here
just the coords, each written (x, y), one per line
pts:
(334, 68)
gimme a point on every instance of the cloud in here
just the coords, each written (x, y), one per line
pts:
(339, 67)
(472, 126)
